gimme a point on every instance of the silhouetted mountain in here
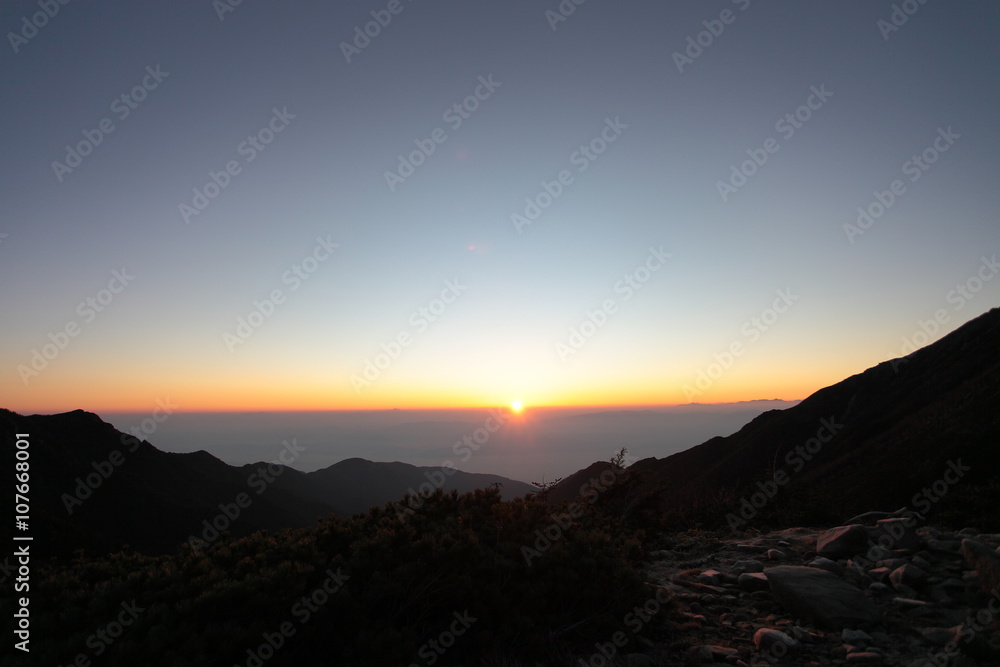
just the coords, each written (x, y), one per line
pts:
(95, 488)
(355, 485)
(871, 441)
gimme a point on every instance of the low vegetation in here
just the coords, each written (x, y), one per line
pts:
(460, 576)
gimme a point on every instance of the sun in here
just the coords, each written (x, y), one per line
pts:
(516, 405)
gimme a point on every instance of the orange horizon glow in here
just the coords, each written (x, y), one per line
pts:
(247, 398)
(523, 412)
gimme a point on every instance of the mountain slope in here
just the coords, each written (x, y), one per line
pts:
(873, 440)
(95, 488)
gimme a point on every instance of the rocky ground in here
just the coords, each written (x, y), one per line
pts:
(877, 591)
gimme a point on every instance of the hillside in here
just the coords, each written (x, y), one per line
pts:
(355, 485)
(96, 488)
(872, 441)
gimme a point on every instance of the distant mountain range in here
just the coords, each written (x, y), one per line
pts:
(877, 440)
(95, 488)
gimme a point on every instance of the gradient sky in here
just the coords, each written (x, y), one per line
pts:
(854, 300)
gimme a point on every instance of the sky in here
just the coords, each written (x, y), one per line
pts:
(415, 204)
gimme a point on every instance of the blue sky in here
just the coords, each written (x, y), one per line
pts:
(343, 126)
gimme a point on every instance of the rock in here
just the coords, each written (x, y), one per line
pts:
(766, 639)
(864, 658)
(753, 581)
(842, 542)
(855, 636)
(830, 566)
(742, 566)
(879, 573)
(822, 596)
(869, 518)
(901, 532)
(774, 554)
(939, 636)
(705, 653)
(710, 577)
(907, 575)
(881, 638)
(947, 546)
(908, 604)
(985, 561)
(877, 553)
(892, 563)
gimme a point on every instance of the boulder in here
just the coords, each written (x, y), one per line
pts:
(704, 654)
(907, 575)
(901, 532)
(753, 581)
(712, 577)
(748, 565)
(831, 566)
(765, 639)
(869, 518)
(842, 542)
(821, 596)
(985, 561)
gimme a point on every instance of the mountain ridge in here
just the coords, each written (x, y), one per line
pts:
(879, 435)
(97, 488)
